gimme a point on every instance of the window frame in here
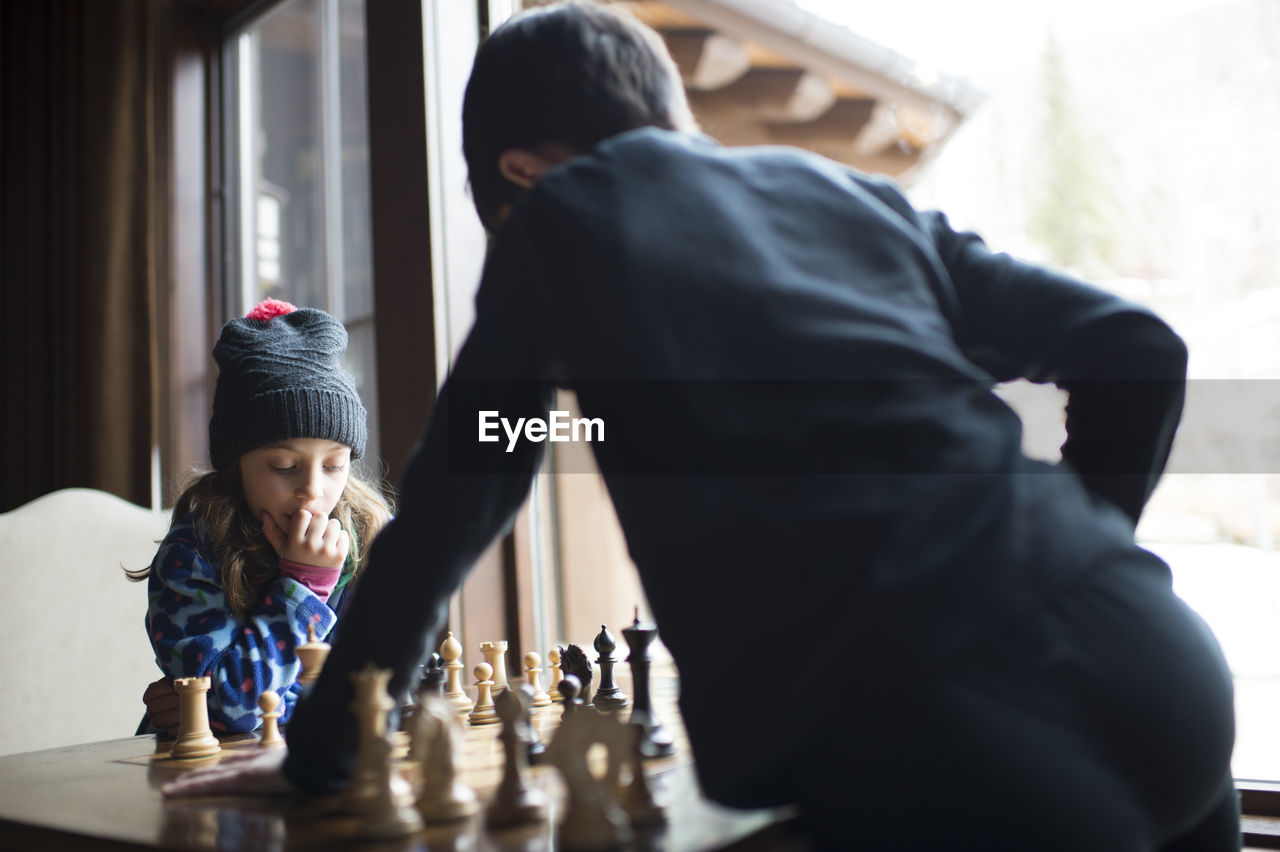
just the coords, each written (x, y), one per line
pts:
(410, 353)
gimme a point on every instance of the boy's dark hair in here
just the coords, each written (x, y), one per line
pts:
(571, 73)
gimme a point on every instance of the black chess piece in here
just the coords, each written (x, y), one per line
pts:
(608, 696)
(537, 750)
(433, 677)
(574, 661)
(656, 741)
(569, 688)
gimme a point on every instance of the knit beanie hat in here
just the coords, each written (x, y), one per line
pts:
(280, 376)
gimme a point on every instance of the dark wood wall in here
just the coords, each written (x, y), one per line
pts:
(111, 249)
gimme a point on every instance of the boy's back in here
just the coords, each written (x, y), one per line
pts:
(773, 344)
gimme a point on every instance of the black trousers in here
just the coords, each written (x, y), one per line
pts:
(1103, 721)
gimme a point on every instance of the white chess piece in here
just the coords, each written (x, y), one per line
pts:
(195, 738)
(553, 662)
(495, 654)
(442, 796)
(454, 693)
(592, 819)
(515, 802)
(533, 677)
(484, 713)
(269, 703)
(376, 793)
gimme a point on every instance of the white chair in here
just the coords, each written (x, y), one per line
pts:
(74, 655)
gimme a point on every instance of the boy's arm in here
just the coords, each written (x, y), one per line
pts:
(195, 634)
(1123, 368)
(456, 496)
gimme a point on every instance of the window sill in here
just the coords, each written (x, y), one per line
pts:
(1260, 807)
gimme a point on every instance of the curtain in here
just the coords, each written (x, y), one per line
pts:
(80, 238)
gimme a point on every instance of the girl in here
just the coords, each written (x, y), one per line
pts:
(271, 539)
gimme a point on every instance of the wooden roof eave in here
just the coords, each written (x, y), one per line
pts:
(830, 49)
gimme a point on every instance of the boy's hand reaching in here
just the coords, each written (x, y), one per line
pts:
(312, 551)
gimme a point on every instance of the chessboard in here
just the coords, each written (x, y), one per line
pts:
(529, 767)
(108, 795)
(482, 760)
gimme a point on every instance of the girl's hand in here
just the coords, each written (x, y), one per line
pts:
(162, 704)
(310, 540)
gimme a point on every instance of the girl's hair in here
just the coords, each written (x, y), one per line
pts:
(572, 73)
(247, 559)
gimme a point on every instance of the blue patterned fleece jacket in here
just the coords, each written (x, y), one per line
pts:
(195, 633)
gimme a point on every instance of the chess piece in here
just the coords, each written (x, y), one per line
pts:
(195, 738)
(433, 677)
(495, 654)
(569, 688)
(269, 702)
(483, 714)
(657, 741)
(608, 696)
(454, 693)
(515, 802)
(536, 749)
(312, 655)
(636, 798)
(573, 661)
(533, 677)
(442, 796)
(376, 793)
(553, 661)
(592, 819)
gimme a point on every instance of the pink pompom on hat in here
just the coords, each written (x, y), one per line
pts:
(269, 309)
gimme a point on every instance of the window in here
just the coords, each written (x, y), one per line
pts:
(1131, 144)
(297, 152)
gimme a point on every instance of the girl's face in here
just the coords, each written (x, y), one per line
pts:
(301, 473)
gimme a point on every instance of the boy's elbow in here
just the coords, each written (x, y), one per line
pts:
(1144, 347)
(1166, 354)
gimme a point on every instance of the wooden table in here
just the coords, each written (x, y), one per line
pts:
(106, 795)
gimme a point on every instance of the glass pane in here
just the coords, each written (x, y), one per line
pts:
(1131, 144)
(300, 165)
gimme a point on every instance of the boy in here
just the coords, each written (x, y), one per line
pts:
(794, 369)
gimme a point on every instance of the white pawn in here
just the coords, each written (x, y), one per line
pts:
(484, 714)
(269, 702)
(454, 693)
(533, 677)
(553, 660)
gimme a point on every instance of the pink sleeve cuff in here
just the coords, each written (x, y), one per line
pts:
(319, 580)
